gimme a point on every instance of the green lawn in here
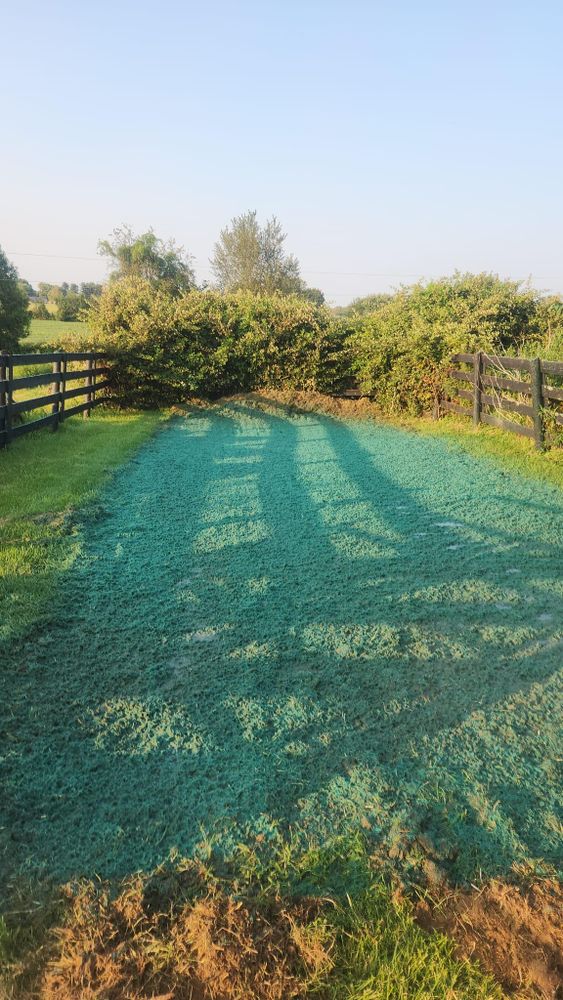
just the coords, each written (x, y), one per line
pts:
(51, 331)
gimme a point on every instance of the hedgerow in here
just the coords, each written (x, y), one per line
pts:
(165, 347)
(401, 351)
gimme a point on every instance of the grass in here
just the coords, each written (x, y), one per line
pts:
(178, 552)
(251, 934)
(364, 619)
(489, 444)
(50, 331)
(44, 478)
(501, 447)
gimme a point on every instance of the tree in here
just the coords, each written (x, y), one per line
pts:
(251, 257)
(14, 314)
(146, 256)
(43, 289)
(90, 289)
(26, 287)
(55, 294)
(69, 306)
(313, 295)
(39, 311)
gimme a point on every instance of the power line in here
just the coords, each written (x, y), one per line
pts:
(304, 270)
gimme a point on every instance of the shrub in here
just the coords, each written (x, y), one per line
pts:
(39, 311)
(402, 350)
(166, 348)
(14, 313)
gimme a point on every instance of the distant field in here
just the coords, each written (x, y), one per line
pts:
(50, 331)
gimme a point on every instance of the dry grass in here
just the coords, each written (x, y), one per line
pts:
(153, 940)
(186, 934)
(513, 931)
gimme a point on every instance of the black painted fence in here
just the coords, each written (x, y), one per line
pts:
(538, 403)
(61, 381)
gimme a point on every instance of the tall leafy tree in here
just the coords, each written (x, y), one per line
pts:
(14, 313)
(252, 257)
(146, 256)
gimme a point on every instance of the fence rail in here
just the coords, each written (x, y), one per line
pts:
(490, 373)
(58, 379)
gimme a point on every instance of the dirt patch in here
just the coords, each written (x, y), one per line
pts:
(153, 940)
(188, 934)
(299, 401)
(515, 932)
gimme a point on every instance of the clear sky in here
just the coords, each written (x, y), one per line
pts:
(393, 140)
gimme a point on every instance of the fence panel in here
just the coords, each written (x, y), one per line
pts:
(61, 389)
(488, 376)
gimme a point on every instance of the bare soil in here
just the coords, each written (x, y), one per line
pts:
(515, 932)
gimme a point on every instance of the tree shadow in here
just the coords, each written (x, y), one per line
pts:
(280, 624)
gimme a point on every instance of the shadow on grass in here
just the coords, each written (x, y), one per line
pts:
(292, 622)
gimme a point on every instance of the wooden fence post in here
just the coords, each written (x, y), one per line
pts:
(537, 402)
(63, 386)
(477, 386)
(5, 396)
(89, 383)
(56, 390)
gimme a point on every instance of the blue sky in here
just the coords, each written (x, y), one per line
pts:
(393, 140)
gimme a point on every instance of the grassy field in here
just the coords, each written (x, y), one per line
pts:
(280, 625)
(51, 331)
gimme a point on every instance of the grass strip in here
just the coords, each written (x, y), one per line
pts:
(43, 479)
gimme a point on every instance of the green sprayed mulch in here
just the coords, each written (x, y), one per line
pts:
(294, 621)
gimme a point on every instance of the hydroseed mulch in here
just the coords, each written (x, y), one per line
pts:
(294, 621)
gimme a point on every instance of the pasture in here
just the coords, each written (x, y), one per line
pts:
(281, 622)
(51, 331)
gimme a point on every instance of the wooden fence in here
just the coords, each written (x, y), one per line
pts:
(487, 376)
(12, 425)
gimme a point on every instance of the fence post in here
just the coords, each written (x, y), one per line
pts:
(537, 402)
(56, 393)
(477, 386)
(89, 383)
(62, 386)
(5, 397)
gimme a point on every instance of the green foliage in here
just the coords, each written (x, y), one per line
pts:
(313, 295)
(39, 311)
(362, 306)
(250, 257)
(48, 332)
(70, 307)
(166, 348)
(25, 287)
(150, 258)
(14, 314)
(402, 350)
